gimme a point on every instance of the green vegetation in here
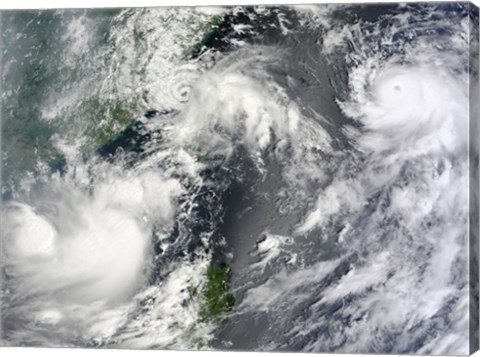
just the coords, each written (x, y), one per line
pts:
(200, 157)
(209, 32)
(27, 143)
(28, 139)
(138, 36)
(192, 292)
(108, 119)
(216, 300)
(216, 294)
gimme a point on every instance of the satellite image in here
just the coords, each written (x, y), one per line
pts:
(259, 178)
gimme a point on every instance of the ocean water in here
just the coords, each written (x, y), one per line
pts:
(268, 178)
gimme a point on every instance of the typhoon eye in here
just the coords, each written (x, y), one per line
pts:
(258, 178)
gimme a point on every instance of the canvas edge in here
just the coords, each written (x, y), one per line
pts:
(474, 134)
(1, 176)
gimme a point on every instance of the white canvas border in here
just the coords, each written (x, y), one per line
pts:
(62, 352)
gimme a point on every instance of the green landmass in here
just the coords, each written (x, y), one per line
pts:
(216, 299)
(27, 139)
(108, 120)
(216, 295)
(209, 32)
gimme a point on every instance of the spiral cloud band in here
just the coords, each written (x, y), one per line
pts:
(260, 178)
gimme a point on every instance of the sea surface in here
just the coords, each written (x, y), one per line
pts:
(266, 178)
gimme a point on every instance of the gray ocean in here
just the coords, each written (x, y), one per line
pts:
(266, 178)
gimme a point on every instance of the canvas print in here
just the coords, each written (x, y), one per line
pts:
(295, 178)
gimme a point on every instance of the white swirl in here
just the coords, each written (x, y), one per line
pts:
(417, 107)
(182, 82)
